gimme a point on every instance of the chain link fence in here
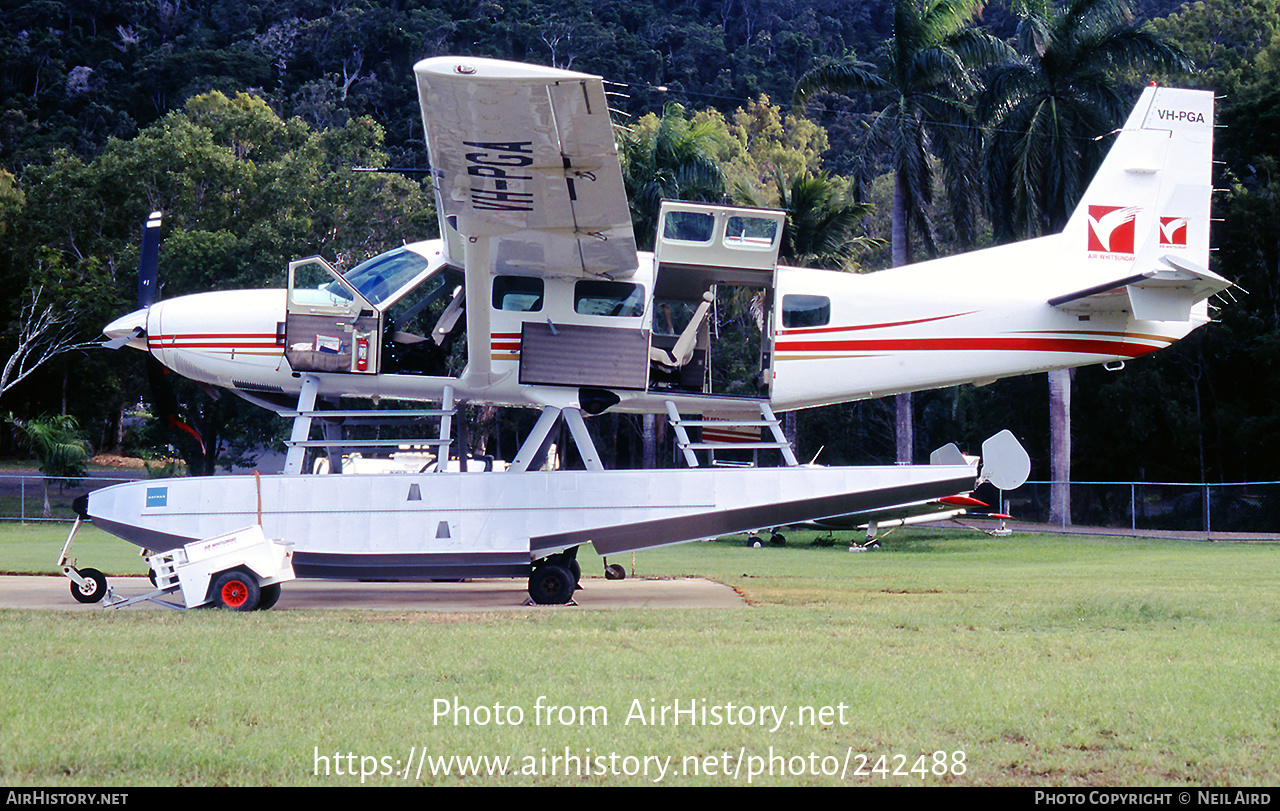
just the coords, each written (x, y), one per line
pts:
(1141, 507)
(31, 497)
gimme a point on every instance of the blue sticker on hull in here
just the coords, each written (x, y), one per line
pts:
(157, 496)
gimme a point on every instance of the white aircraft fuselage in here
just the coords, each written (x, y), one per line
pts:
(970, 318)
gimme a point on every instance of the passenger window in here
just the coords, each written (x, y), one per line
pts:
(521, 294)
(620, 299)
(806, 311)
(750, 232)
(688, 226)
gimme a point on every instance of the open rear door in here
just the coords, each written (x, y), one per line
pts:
(726, 256)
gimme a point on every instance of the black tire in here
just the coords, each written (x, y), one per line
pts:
(269, 597)
(151, 575)
(777, 539)
(614, 571)
(551, 584)
(95, 587)
(576, 570)
(236, 591)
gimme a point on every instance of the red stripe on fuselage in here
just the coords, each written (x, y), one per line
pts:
(214, 340)
(817, 330)
(1086, 346)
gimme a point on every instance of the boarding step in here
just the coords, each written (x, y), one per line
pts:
(334, 420)
(372, 417)
(720, 438)
(428, 442)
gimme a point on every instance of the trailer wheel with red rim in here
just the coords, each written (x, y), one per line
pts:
(236, 591)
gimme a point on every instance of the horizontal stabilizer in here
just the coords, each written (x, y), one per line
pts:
(1005, 463)
(949, 454)
(1164, 294)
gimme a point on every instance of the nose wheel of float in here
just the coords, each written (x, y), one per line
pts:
(90, 588)
(87, 585)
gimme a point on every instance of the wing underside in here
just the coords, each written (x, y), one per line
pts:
(526, 155)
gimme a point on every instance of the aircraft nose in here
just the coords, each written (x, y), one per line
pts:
(128, 330)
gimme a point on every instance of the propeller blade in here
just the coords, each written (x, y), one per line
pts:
(163, 398)
(148, 265)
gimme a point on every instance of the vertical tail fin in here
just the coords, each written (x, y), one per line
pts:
(1150, 198)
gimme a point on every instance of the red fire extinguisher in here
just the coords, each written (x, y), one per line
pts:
(362, 354)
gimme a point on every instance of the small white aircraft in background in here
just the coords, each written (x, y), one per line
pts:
(536, 296)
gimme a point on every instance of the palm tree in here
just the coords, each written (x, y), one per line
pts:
(1046, 114)
(820, 220)
(59, 448)
(671, 160)
(928, 76)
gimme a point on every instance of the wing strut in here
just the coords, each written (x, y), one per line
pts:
(536, 445)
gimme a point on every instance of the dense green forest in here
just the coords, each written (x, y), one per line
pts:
(242, 122)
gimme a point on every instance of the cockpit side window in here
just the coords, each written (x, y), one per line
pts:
(806, 311)
(314, 286)
(379, 278)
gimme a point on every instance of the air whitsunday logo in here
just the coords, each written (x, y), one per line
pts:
(1111, 229)
(1173, 232)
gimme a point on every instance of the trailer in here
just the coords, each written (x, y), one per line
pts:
(239, 570)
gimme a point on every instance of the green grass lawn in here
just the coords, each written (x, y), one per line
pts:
(34, 549)
(1031, 660)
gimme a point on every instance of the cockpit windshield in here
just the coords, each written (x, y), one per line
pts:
(381, 277)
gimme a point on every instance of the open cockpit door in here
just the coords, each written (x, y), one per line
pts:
(329, 327)
(713, 297)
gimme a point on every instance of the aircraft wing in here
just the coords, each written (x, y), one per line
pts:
(1164, 294)
(935, 510)
(526, 155)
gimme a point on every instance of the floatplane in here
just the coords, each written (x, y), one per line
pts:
(536, 296)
